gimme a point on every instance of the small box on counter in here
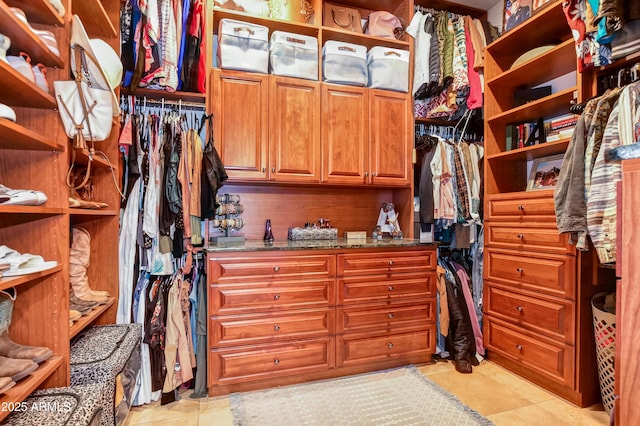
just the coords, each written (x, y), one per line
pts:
(295, 234)
(355, 235)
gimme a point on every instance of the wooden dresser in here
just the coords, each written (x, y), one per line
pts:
(284, 315)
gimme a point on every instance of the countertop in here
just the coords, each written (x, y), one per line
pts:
(340, 243)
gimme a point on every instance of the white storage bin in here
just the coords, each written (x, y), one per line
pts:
(344, 63)
(243, 46)
(388, 68)
(293, 55)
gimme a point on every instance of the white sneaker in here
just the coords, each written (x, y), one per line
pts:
(5, 44)
(7, 112)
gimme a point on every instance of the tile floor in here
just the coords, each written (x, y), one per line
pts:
(494, 392)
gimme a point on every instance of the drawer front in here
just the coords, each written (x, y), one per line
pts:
(261, 296)
(262, 328)
(260, 267)
(544, 356)
(528, 237)
(522, 207)
(377, 288)
(549, 274)
(244, 364)
(544, 315)
(383, 316)
(386, 262)
(362, 350)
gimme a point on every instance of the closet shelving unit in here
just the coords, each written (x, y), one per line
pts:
(537, 286)
(34, 155)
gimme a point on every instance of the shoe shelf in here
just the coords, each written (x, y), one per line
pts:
(549, 106)
(26, 386)
(25, 40)
(95, 18)
(17, 90)
(93, 212)
(39, 11)
(8, 282)
(14, 136)
(23, 214)
(89, 318)
(82, 157)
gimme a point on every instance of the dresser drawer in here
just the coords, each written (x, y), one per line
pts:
(522, 206)
(544, 356)
(239, 365)
(361, 349)
(268, 266)
(385, 316)
(228, 299)
(271, 327)
(528, 237)
(376, 288)
(544, 315)
(545, 273)
(382, 262)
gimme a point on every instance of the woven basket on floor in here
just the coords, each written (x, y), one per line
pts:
(604, 324)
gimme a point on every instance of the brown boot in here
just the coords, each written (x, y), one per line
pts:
(8, 347)
(5, 384)
(79, 255)
(16, 368)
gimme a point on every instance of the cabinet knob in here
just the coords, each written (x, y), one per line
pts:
(390, 345)
(391, 263)
(366, 174)
(273, 170)
(373, 174)
(276, 361)
(391, 288)
(519, 347)
(521, 207)
(276, 268)
(519, 308)
(520, 236)
(390, 316)
(521, 270)
(264, 170)
(276, 327)
(276, 297)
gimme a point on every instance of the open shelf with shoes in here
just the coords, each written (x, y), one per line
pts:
(89, 318)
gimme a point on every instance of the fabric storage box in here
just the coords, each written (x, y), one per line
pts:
(388, 68)
(243, 46)
(108, 354)
(344, 63)
(74, 405)
(293, 55)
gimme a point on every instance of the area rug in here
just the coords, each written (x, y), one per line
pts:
(401, 396)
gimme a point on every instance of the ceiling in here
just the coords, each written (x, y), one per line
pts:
(478, 4)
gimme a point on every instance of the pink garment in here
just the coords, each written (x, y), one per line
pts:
(475, 324)
(474, 100)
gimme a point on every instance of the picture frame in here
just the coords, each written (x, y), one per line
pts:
(516, 12)
(545, 172)
(539, 4)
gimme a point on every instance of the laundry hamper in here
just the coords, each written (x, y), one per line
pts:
(604, 324)
(109, 354)
(74, 405)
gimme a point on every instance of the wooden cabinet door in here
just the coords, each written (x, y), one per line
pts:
(294, 130)
(390, 137)
(240, 108)
(345, 134)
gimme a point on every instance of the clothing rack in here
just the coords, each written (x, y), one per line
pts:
(432, 11)
(619, 78)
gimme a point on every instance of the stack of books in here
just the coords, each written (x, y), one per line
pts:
(560, 127)
(523, 134)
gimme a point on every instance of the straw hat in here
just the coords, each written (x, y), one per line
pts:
(103, 63)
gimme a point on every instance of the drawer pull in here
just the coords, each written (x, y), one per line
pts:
(276, 268)
(390, 345)
(519, 347)
(520, 236)
(276, 327)
(519, 308)
(276, 362)
(391, 288)
(521, 270)
(391, 263)
(276, 297)
(521, 207)
(390, 316)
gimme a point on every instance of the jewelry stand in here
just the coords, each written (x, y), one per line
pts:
(228, 219)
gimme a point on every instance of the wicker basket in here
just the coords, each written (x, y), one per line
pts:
(604, 324)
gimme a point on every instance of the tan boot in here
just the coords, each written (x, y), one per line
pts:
(5, 384)
(79, 255)
(8, 347)
(16, 368)
(82, 306)
(74, 315)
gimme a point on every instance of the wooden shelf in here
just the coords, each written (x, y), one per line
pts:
(549, 106)
(82, 157)
(557, 62)
(362, 39)
(311, 30)
(25, 40)
(14, 136)
(94, 18)
(163, 94)
(26, 386)
(16, 90)
(8, 282)
(15, 215)
(39, 11)
(93, 212)
(89, 318)
(530, 152)
(435, 121)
